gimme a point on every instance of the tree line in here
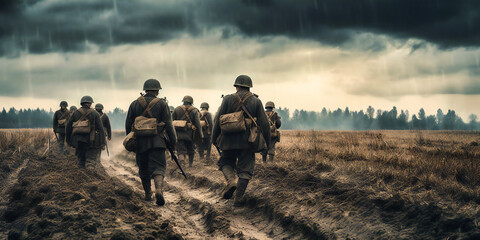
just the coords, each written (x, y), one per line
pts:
(339, 119)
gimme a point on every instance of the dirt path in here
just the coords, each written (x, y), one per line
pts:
(199, 212)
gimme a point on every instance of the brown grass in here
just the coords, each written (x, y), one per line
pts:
(18, 139)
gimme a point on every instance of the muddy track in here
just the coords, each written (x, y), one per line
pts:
(198, 211)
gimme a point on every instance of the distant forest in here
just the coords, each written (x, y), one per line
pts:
(340, 119)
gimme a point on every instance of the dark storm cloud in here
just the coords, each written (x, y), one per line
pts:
(51, 25)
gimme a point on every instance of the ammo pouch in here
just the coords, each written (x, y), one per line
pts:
(232, 123)
(146, 126)
(82, 125)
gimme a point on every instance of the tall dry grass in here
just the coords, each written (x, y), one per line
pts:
(15, 139)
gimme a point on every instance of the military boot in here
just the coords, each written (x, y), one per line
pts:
(159, 190)
(239, 195)
(270, 158)
(190, 159)
(264, 158)
(231, 184)
(147, 187)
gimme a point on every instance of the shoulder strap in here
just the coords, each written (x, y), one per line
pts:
(150, 106)
(242, 105)
(187, 112)
(84, 113)
(242, 100)
(64, 114)
(142, 101)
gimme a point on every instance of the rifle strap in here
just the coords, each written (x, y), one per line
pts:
(269, 117)
(187, 113)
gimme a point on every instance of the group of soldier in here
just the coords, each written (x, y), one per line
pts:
(156, 127)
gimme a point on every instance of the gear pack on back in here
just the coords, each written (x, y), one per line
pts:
(235, 122)
(62, 121)
(146, 125)
(273, 125)
(82, 125)
(204, 123)
(186, 123)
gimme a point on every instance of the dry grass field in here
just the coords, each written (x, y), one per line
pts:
(322, 185)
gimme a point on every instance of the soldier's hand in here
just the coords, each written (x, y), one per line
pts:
(109, 138)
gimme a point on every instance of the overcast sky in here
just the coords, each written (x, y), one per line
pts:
(300, 54)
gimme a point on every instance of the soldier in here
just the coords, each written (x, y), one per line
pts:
(275, 124)
(60, 119)
(236, 151)
(106, 126)
(206, 121)
(150, 153)
(81, 132)
(73, 108)
(186, 134)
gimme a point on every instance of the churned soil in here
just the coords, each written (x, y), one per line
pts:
(50, 197)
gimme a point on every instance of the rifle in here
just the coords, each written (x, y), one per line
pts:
(106, 146)
(174, 156)
(55, 135)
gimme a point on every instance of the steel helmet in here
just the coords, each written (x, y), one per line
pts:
(172, 109)
(73, 108)
(99, 106)
(204, 105)
(152, 84)
(86, 99)
(188, 99)
(243, 81)
(63, 104)
(270, 104)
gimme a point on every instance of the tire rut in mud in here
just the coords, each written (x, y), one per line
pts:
(218, 218)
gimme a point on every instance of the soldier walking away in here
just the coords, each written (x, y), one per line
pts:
(187, 125)
(106, 126)
(81, 132)
(206, 121)
(60, 119)
(150, 151)
(275, 123)
(237, 154)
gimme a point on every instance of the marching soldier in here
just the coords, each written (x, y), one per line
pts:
(275, 124)
(73, 108)
(81, 132)
(150, 153)
(106, 126)
(187, 125)
(206, 121)
(237, 154)
(60, 119)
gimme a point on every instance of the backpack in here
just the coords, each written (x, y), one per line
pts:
(185, 123)
(273, 126)
(146, 126)
(82, 125)
(235, 122)
(62, 121)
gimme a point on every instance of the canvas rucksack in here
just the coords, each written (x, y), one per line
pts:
(185, 123)
(273, 126)
(62, 121)
(146, 125)
(235, 122)
(82, 125)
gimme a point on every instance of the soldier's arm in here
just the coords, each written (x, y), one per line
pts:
(263, 121)
(130, 119)
(109, 127)
(278, 122)
(167, 118)
(68, 130)
(197, 123)
(55, 122)
(99, 126)
(216, 127)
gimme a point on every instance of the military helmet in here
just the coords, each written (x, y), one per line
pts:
(243, 81)
(172, 109)
(270, 104)
(99, 106)
(204, 105)
(73, 108)
(86, 99)
(63, 104)
(152, 84)
(188, 99)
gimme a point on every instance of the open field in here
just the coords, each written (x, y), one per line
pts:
(322, 185)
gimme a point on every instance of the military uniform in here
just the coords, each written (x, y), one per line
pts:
(236, 151)
(206, 143)
(60, 119)
(85, 144)
(150, 154)
(106, 126)
(275, 120)
(186, 138)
